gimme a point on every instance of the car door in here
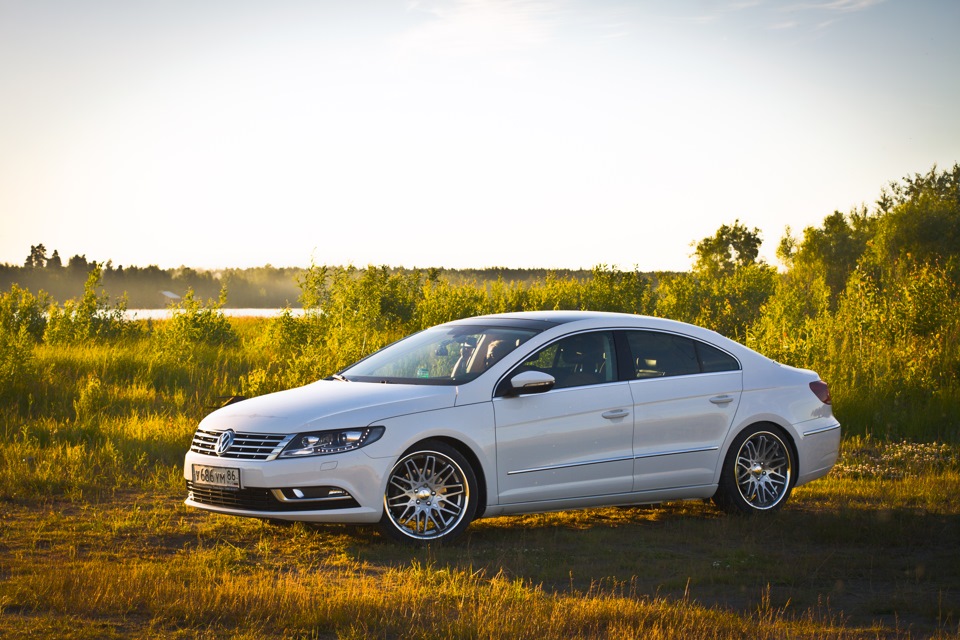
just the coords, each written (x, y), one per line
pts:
(574, 440)
(685, 395)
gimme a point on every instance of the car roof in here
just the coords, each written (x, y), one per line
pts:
(557, 317)
(594, 319)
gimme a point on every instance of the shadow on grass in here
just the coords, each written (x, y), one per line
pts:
(899, 568)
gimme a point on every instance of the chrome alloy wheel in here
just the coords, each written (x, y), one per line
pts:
(763, 470)
(427, 496)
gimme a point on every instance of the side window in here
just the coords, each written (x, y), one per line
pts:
(657, 355)
(713, 360)
(582, 359)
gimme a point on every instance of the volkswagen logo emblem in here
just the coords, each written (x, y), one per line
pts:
(224, 442)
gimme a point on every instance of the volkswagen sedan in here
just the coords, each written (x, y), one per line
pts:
(520, 413)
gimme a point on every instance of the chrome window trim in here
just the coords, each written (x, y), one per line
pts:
(693, 339)
(624, 329)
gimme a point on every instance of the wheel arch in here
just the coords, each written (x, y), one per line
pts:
(763, 492)
(471, 457)
(788, 434)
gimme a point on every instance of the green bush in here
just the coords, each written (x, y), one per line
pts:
(22, 324)
(728, 303)
(193, 325)
(91, 318)
(20, 311)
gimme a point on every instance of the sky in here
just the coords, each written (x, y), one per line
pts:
(459, 133)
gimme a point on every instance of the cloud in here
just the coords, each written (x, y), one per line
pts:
(835, 6)
(823, 14)
(477, 27)
(783, 26)
(783, 17)
(742, 4)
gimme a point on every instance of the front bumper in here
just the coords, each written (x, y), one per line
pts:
(346, 488)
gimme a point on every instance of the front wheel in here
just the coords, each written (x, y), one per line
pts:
(757, 474)
(431, 495)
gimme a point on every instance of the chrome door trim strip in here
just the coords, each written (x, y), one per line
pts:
(821, 430)
(571, 465)
(674, 453)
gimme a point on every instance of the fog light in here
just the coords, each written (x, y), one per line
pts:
(311, 494)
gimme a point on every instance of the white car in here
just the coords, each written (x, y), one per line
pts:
(520, 413)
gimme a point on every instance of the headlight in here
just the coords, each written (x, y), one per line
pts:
(321, 443)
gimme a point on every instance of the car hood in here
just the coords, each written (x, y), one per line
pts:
(328, 404)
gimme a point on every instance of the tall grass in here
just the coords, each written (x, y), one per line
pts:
(889, 349)
(116, 408)
(116, 403)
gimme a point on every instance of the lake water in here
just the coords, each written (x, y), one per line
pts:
(164, 314)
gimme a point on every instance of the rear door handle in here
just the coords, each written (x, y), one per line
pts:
(724, 399)
(613, 414)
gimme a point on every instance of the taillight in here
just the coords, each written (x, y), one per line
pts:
(822, 390)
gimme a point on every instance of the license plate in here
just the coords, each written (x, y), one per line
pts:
(216, 476)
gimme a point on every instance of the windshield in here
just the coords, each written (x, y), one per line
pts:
(444, 355)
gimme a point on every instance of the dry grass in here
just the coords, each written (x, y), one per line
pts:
(139, 564)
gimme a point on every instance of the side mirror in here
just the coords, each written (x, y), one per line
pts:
(531, 382)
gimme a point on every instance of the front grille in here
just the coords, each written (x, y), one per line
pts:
(246, 446)
(259, 500)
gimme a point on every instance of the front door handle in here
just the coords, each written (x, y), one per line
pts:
(724, 399)
(613, 414)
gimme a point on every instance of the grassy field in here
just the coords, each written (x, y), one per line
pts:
(858, 554)
(95, 541)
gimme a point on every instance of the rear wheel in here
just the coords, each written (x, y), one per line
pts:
(431, 495)
(757, 474)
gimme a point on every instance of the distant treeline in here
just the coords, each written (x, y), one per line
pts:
(264, 287)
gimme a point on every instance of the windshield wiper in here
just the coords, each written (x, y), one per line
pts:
(339, 377)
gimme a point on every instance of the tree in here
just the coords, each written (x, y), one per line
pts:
(79, 264)
(731, 247)
(923, 223)
(37, 258)
(831, 251)
(727, 287)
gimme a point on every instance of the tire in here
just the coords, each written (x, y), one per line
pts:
(758, 472)
(431, 495)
